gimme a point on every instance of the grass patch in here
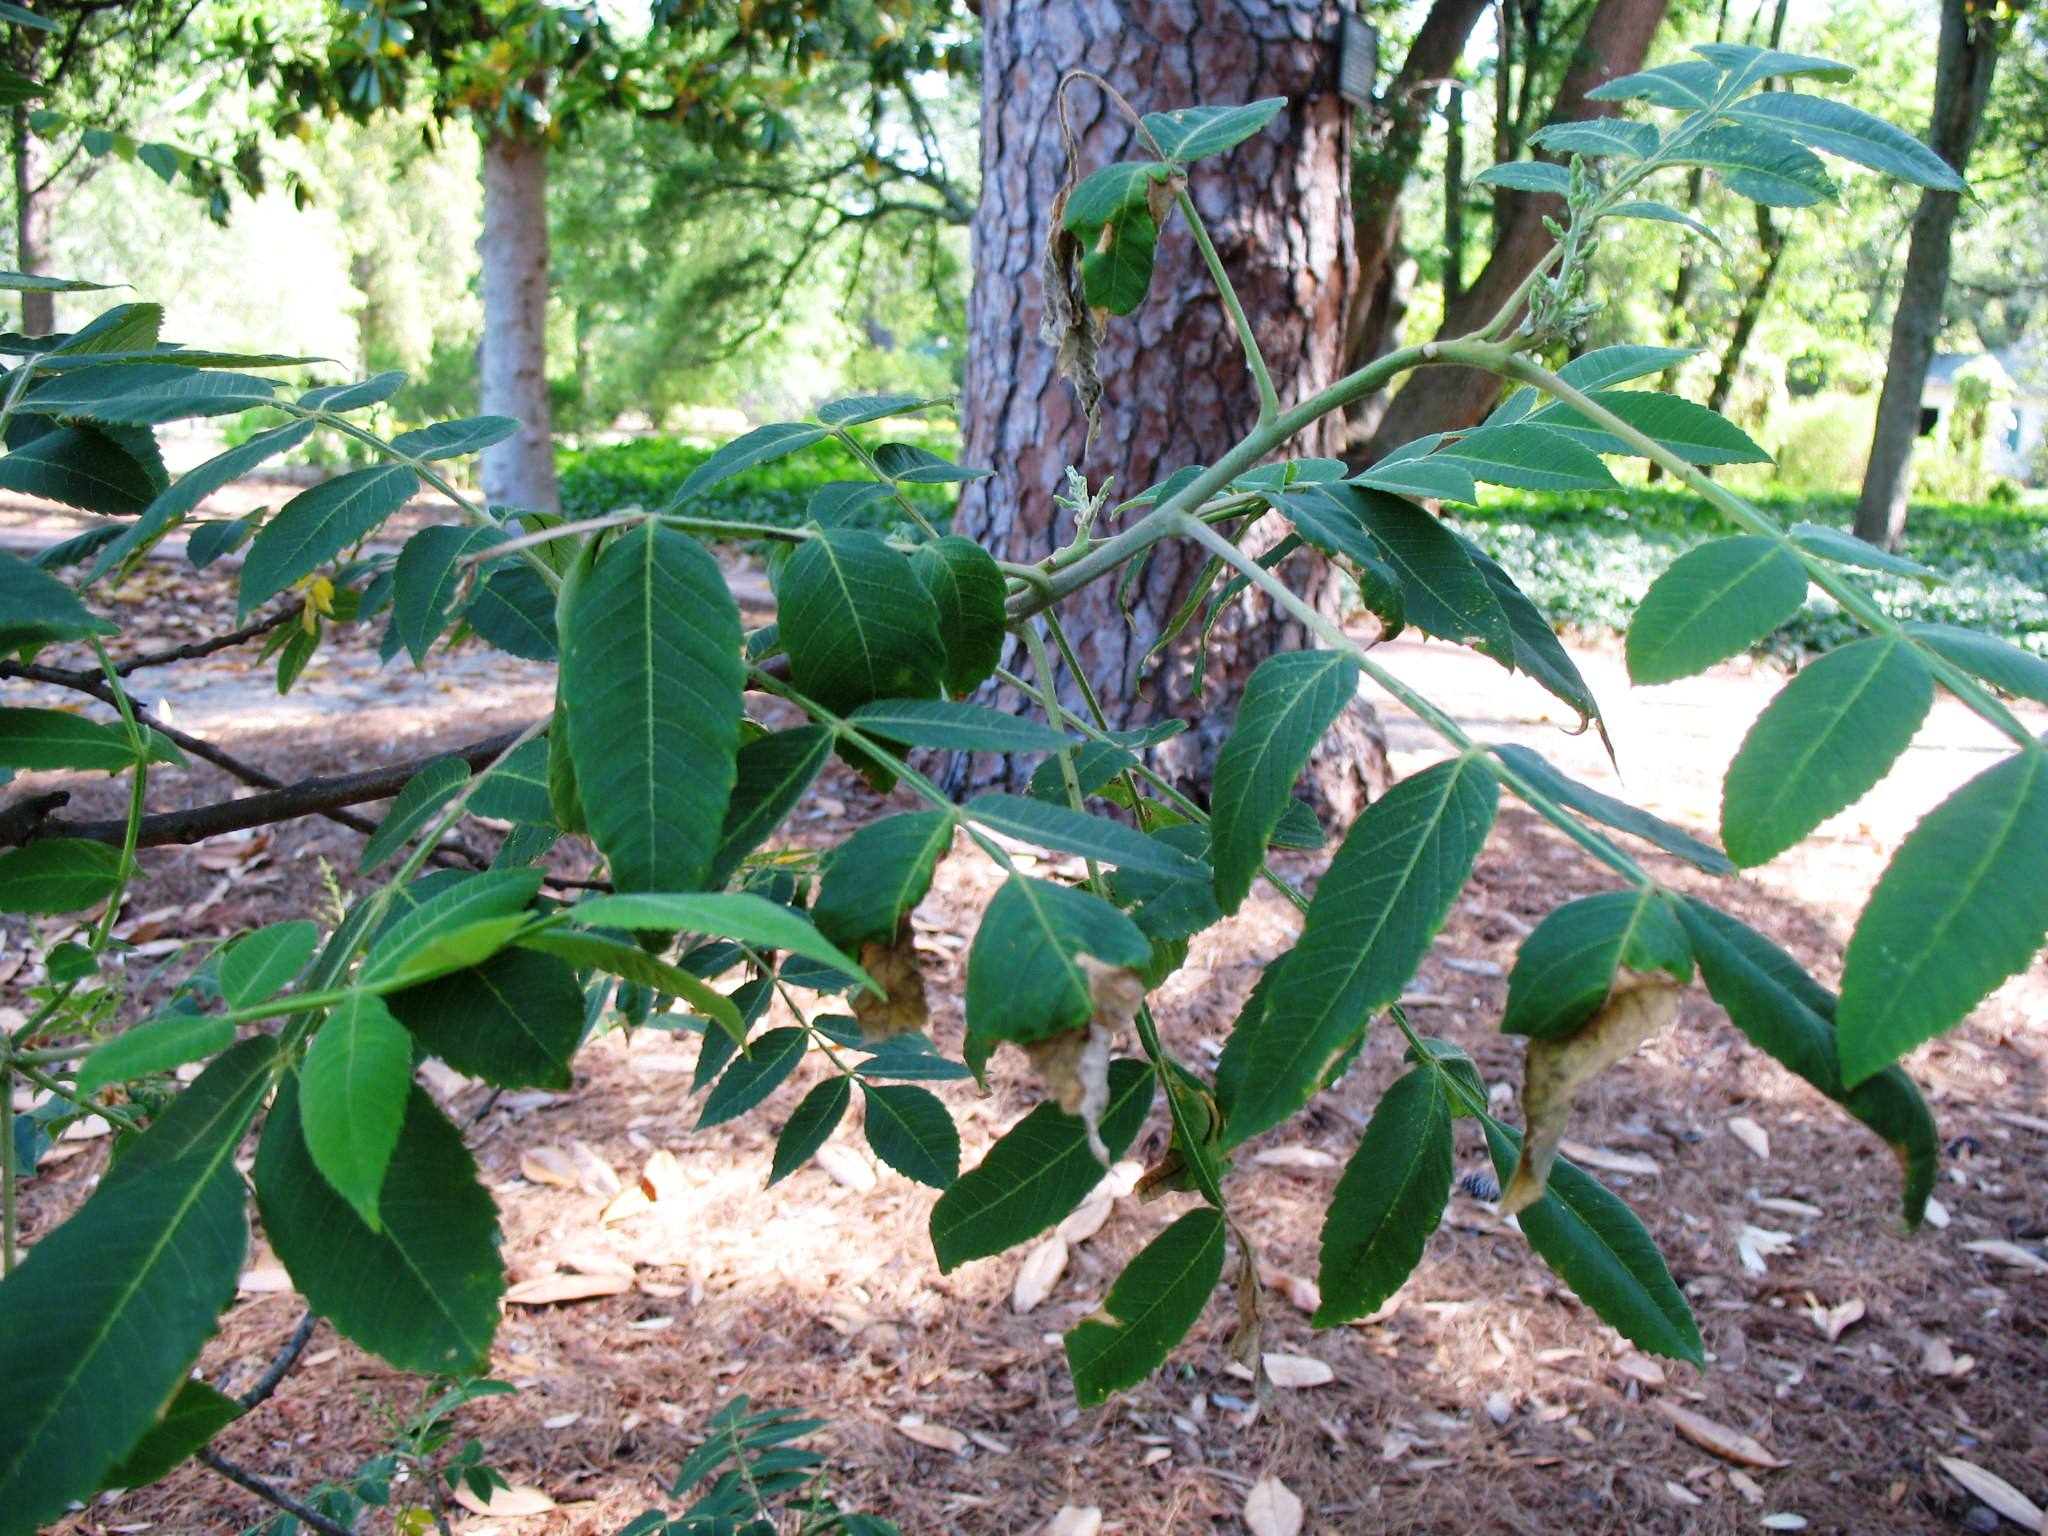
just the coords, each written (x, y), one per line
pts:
(647, 471)
(1586, 559)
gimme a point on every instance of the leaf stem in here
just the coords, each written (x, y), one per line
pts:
(1262, 377)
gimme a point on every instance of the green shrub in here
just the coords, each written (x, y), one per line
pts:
(1587, 559)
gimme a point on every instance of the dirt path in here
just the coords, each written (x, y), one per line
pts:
(1483, 1398)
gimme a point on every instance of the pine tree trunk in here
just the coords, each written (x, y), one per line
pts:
(1962, 85)
(519, 472)
(32, 199)
(1176, 388)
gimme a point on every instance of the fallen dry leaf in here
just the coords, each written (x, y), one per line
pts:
(1732, 1444)
(938, 1437)
(264, 1280)
(564, 1286)
(1075, 1520)
(503, 1502)
(662, 1177)
(1751, 1135)
(1298, 1371)
(1088, 1217)
(1836, 1320)
(1294, 1156)
(1756, 1244)
(1747, 1486)
(1303, 1294)
(1271, 1509)
(548, 1165)
(846, 1167)
(1640, 1368)
(1038, 1274)
(595, 1261)
(1999, 1251)
(595, 1176)
(1680, 1494)
(1995, 1491)
(1607, 1160)
(625, 1205)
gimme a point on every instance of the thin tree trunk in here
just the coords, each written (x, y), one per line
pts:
(32, 199)
(519, 472)
(1382, 169)
(1962, 84)
(1454, 194)
(1615, 41)
(1770, 240)
(1176, 388)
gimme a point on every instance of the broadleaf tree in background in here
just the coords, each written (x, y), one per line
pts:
(653, 872)
(1972, 32)
(527, 73)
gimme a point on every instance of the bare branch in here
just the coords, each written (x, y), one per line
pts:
(271, 1493)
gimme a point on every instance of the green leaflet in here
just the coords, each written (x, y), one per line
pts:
(754, 1076)
(1114, 214)
(1790, 1017)
(155, 1045)
(1070, 831)
(1836, 128)
(737, 915)
(650, 688)
(1289, 701)
(1596, 138)
(813, 1122)
(857, 409)
(1527, 458)
(196, 1414)
(877, 875)
(1389, 1201)
(1961, 907)
(425, 578)
(437, 907)
(636, 965)
(857, 622)
(516, 788)
(259, 964)
(909, 1129)
(318, 524)
(172, 506)
(1596, 1244)
(422, 799)
(1714, 600)
(773, 771)
(112, 470)
(763, 445)
(1694, 433)
(515, 1020)
(39, 739)
(1023, 981)
(1527, 176)
(453, 439)
(123, 395)
(1566, 968)
(1998, 662)
(101, 1321)
(1537, 651)
(35, 607)
(355, 1082)
(1766, 168)
(1153, 1304)
(1609, 811)
(423, 1292)
(1037, 1172)
(57, 874)
(514, 611)
(1844, 548)
(1442, 591)
(1382, 901)
(1826, 739)
(967, 587)
(1189, 133)
(956, 727)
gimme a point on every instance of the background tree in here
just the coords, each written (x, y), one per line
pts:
(1971, 32)
(1177, 389)
(92, 62)
(1614, 40)
(527, 74)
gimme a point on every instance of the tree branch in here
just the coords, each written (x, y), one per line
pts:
(271, 1493)
(308, 797)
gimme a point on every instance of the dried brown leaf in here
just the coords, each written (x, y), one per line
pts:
(1732, 1444)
